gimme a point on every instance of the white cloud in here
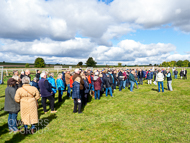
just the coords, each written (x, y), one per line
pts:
(48, 28)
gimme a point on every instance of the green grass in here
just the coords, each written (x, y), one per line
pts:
(142, 116)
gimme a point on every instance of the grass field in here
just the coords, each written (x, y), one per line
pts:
(142, 116)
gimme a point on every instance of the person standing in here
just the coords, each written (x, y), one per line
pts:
(38, 75)
(11, 106)
(78, 87)
(60, 86)
(67, 80)
(175, 73)
(27, 96)
(121, 79)
(46, 93)
(115, 80)
(169, 80)
(51, 80)
(164, 73)
(17, 78)
(181, 73)
(185, 74)
(132, 80)
(155, 73)
(108, 85)
(86, 89)
(140, 74)
(149, 77)
(160, 79)
(97, 85)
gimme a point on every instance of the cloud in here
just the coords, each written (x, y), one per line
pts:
(48, 29)
(78, 47)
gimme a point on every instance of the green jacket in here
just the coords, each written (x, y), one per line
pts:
(131, 77)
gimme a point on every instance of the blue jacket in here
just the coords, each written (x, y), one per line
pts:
(144, 73)
(149, 76)
(35, 84)
(76, 90)
(51, 80)
(45, 88)
(60, 84)
(86, 86)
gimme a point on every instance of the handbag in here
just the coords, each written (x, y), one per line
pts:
(31, 95)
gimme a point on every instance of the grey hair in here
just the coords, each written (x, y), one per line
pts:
(51, 74)
(25, 80)
(35, 79)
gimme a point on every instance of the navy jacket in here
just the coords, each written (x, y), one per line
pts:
(107, 82)
(76, 90)
(35, 84)
(86, 86)
(140, 74)
(45, 88)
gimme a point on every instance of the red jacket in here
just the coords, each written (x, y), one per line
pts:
(71, 82)
(97, 84)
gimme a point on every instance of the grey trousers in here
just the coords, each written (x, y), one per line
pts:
(141, 81)
(169, 84)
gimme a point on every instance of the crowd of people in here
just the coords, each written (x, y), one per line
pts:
(22, 93)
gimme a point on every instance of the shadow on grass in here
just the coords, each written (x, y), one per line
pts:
(4, 129)
(3, 114)
(2, 109)
(2, 96)
(41, 128)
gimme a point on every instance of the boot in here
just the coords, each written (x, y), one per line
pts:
(79, 108)
(75, 107)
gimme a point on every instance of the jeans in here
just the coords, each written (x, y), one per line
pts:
(169, 84)
(136, 82)
(120, 85)
(110, 89)
(12, 121)
(124, 84)
(114, 85)
(51, 99)
(92, 87)
(68, 90)
(162, 84)
(132, 84)
(60, 95)
(32, 126)
(98, 94)
(175, 76)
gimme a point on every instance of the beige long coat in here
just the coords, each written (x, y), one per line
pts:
(28, 104)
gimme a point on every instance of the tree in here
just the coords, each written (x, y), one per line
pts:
(39, 63)
(179, 63)
(165, 64)
(173, 63)
(189, 64)
(90, 62)
(80, 64)
(119, 64)
(185, 63)
(27, 65)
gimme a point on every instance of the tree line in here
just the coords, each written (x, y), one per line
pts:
(179, 63)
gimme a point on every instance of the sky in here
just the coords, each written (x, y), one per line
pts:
(111, 31)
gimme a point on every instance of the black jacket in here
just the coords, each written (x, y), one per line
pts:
(140, 74)
(107, 82)
(38, 76)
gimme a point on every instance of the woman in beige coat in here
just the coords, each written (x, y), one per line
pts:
(27, 96)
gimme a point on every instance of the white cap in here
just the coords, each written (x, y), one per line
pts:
(96, 73)
(42, 74)
(76, 70)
